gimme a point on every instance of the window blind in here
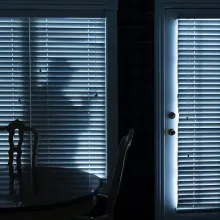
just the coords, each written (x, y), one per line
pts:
(199, 114)
(56, 81)
(14, 81)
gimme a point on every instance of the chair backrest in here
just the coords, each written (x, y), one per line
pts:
(124, 146)
(22, 128)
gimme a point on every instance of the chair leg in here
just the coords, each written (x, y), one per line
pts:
(11, 184)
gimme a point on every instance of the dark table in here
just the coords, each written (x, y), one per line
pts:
(41, 192)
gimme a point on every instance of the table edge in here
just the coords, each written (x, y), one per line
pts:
(10, 210)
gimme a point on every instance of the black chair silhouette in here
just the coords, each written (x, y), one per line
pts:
(22, 129)
(104, 209)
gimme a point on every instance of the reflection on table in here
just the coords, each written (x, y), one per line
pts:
(27, 189)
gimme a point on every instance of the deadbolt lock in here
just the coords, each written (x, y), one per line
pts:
(171, 132)
(172, 115)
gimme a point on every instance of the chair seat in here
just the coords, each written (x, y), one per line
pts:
(103, 217)
(98, 211)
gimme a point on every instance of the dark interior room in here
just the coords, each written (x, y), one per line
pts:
(85, 142)
(136, 106)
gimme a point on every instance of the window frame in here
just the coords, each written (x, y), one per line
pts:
(111, 70)
(165, 15)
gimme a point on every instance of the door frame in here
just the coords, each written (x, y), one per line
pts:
(159, 106)
(186, 10)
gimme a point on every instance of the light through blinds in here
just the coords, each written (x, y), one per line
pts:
(199, 114)
(53, 76)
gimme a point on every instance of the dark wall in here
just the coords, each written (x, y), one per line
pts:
(136, 106)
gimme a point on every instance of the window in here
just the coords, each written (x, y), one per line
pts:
(55, 76)
(189, 160)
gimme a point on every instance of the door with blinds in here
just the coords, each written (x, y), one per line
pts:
(199, 110)
(193, 116)
(53, 76)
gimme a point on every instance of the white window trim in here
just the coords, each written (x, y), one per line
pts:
(167, 13)
(111, 71)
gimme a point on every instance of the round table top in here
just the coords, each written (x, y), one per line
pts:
(44, 187)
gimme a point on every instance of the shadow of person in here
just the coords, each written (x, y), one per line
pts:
(60, 112)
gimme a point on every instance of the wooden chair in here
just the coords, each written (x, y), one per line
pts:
(104, 209)
(22, 128)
